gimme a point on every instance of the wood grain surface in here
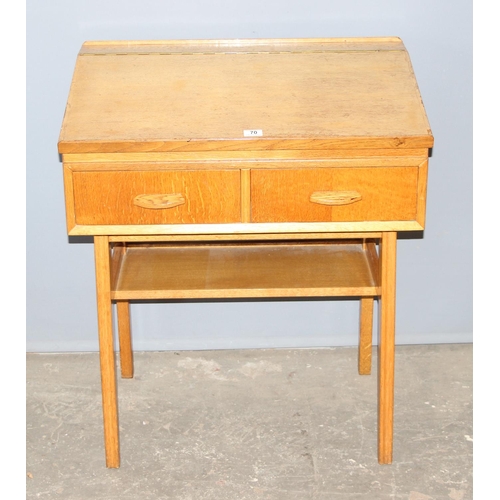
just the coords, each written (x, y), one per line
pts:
(108, 197)
(237, 270)
(284, 195)
(340, 94)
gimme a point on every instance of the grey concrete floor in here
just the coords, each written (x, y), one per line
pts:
(252, 424)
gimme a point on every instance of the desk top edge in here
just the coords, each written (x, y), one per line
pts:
(244, 45)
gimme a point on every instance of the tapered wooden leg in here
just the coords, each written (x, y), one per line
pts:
(365, 336)
(106, 351)
(386, 346)
(126, 354)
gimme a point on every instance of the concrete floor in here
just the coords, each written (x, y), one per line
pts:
(252, 424)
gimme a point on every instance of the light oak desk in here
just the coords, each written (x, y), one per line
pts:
(245, 168)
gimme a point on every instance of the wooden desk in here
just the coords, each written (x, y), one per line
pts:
(245, 168)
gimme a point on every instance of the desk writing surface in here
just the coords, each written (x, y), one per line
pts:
(302, 94)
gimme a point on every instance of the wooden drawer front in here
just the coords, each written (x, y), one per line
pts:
(386, 193)
(108, 197)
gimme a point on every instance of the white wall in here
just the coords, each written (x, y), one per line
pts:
(434, 294)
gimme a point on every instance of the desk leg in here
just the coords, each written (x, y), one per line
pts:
(386, 347)
(106, 351)
(365, 336)
(126, 354)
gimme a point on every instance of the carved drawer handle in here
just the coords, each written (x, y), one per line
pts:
(335, 197)
(159, 201)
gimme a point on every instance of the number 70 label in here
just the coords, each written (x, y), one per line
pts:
(252, 133)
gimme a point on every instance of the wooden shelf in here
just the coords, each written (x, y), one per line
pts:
(176, 271)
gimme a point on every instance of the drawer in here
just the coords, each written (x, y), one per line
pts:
(334, 194)
(156, 197)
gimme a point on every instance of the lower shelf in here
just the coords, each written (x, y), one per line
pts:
(247, 270)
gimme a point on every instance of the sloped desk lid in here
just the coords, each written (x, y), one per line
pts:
(200, 95)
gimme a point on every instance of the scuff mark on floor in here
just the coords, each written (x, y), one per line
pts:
(456, 494)
(415, 495)
(255, 370)
(202, 368)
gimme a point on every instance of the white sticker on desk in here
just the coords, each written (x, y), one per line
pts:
(252, 133)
